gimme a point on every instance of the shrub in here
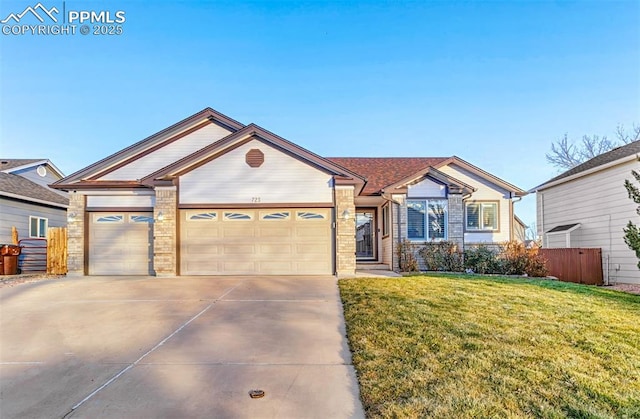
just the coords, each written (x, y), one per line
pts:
(442, 256)
(518, 260)
(482, 260)
(406, 257)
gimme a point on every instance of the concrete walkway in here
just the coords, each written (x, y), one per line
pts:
(175, 347)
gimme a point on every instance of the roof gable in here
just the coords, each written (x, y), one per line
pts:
(15, 165)
(381, 172)
(248, 133)
(149, 144)
(483, 174)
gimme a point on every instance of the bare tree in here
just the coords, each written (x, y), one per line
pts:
(566, 154)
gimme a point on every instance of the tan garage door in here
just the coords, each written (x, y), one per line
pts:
(120, 243)
(264, 241)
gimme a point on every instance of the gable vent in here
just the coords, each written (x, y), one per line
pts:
(254, 157)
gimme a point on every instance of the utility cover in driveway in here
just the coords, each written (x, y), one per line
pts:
(280, 241)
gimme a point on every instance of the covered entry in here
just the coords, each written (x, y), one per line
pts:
(279, 241)
(120, 243)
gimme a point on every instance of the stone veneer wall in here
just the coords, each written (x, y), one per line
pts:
(165, 231)
(75, 234)
(345, 231)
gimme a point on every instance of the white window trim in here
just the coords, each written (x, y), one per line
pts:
(46, 225)
(481, 229)
(426, 221)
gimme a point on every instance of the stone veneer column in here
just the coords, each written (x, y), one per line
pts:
(345, 231)
(456, 220)
(164, 231)
(75, 234)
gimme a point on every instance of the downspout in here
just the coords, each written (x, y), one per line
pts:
(335, 232)
(512, 217)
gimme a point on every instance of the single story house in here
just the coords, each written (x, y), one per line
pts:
(27, 202)
(588, 207)
(212, 196)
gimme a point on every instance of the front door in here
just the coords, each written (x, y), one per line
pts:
(365, 234)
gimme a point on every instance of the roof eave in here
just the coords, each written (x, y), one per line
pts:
(587, 172)
(34, 200)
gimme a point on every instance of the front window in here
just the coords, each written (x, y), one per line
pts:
(38, 227)
(427, 219)
(385, 220)
(482, 216)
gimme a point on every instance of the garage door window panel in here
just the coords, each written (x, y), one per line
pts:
(305, 215)
(111, 218)
(202, 216)
(238, 216)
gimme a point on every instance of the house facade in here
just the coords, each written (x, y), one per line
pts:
(212, 196)
(588, 206)
(26, 201)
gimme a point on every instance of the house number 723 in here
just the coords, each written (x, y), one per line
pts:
(255, 199)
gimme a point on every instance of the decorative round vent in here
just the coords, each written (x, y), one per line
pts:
(42, 171)
(254, 157)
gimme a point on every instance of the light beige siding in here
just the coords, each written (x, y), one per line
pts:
(121, 201)
(599, 202)
(426, 189)
(486, 191)
(280, 179)
(168, 154)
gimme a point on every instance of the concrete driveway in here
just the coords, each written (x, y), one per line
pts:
(175, 347)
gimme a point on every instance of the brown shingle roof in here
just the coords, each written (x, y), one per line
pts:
(19, 186)
(384, 171)
(604, 158)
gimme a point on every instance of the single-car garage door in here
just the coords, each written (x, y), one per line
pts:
(120, 243)
(260, 241)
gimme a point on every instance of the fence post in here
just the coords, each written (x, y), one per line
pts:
(14, 235)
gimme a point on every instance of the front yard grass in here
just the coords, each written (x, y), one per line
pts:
(466, 346)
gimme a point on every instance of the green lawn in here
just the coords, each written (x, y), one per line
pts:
(462, 346)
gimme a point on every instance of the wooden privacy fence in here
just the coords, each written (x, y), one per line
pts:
(579, 265)
(57, 250)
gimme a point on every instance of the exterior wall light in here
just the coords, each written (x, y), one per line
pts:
(72, 217)
(160, 216)
(346, 214)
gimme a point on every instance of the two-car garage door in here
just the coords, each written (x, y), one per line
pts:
(256, 241)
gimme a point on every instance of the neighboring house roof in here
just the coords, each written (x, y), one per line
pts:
(384, 171)
(14, 165)
(15, 186)
(624, 152)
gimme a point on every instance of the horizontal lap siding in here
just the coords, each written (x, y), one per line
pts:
(486, 191)
(280, 179)
(16, 214)
(169, 153)
(600, 203)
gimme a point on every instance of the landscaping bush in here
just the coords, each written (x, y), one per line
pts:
(406, 257)
(512, 258)
(482, 260)
(442, 256)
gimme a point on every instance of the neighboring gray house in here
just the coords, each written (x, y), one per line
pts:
(588, 206)
(26, 201)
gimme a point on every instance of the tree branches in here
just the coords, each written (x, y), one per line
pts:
(566, 154)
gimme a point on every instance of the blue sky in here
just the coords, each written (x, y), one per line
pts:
(492, 82)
